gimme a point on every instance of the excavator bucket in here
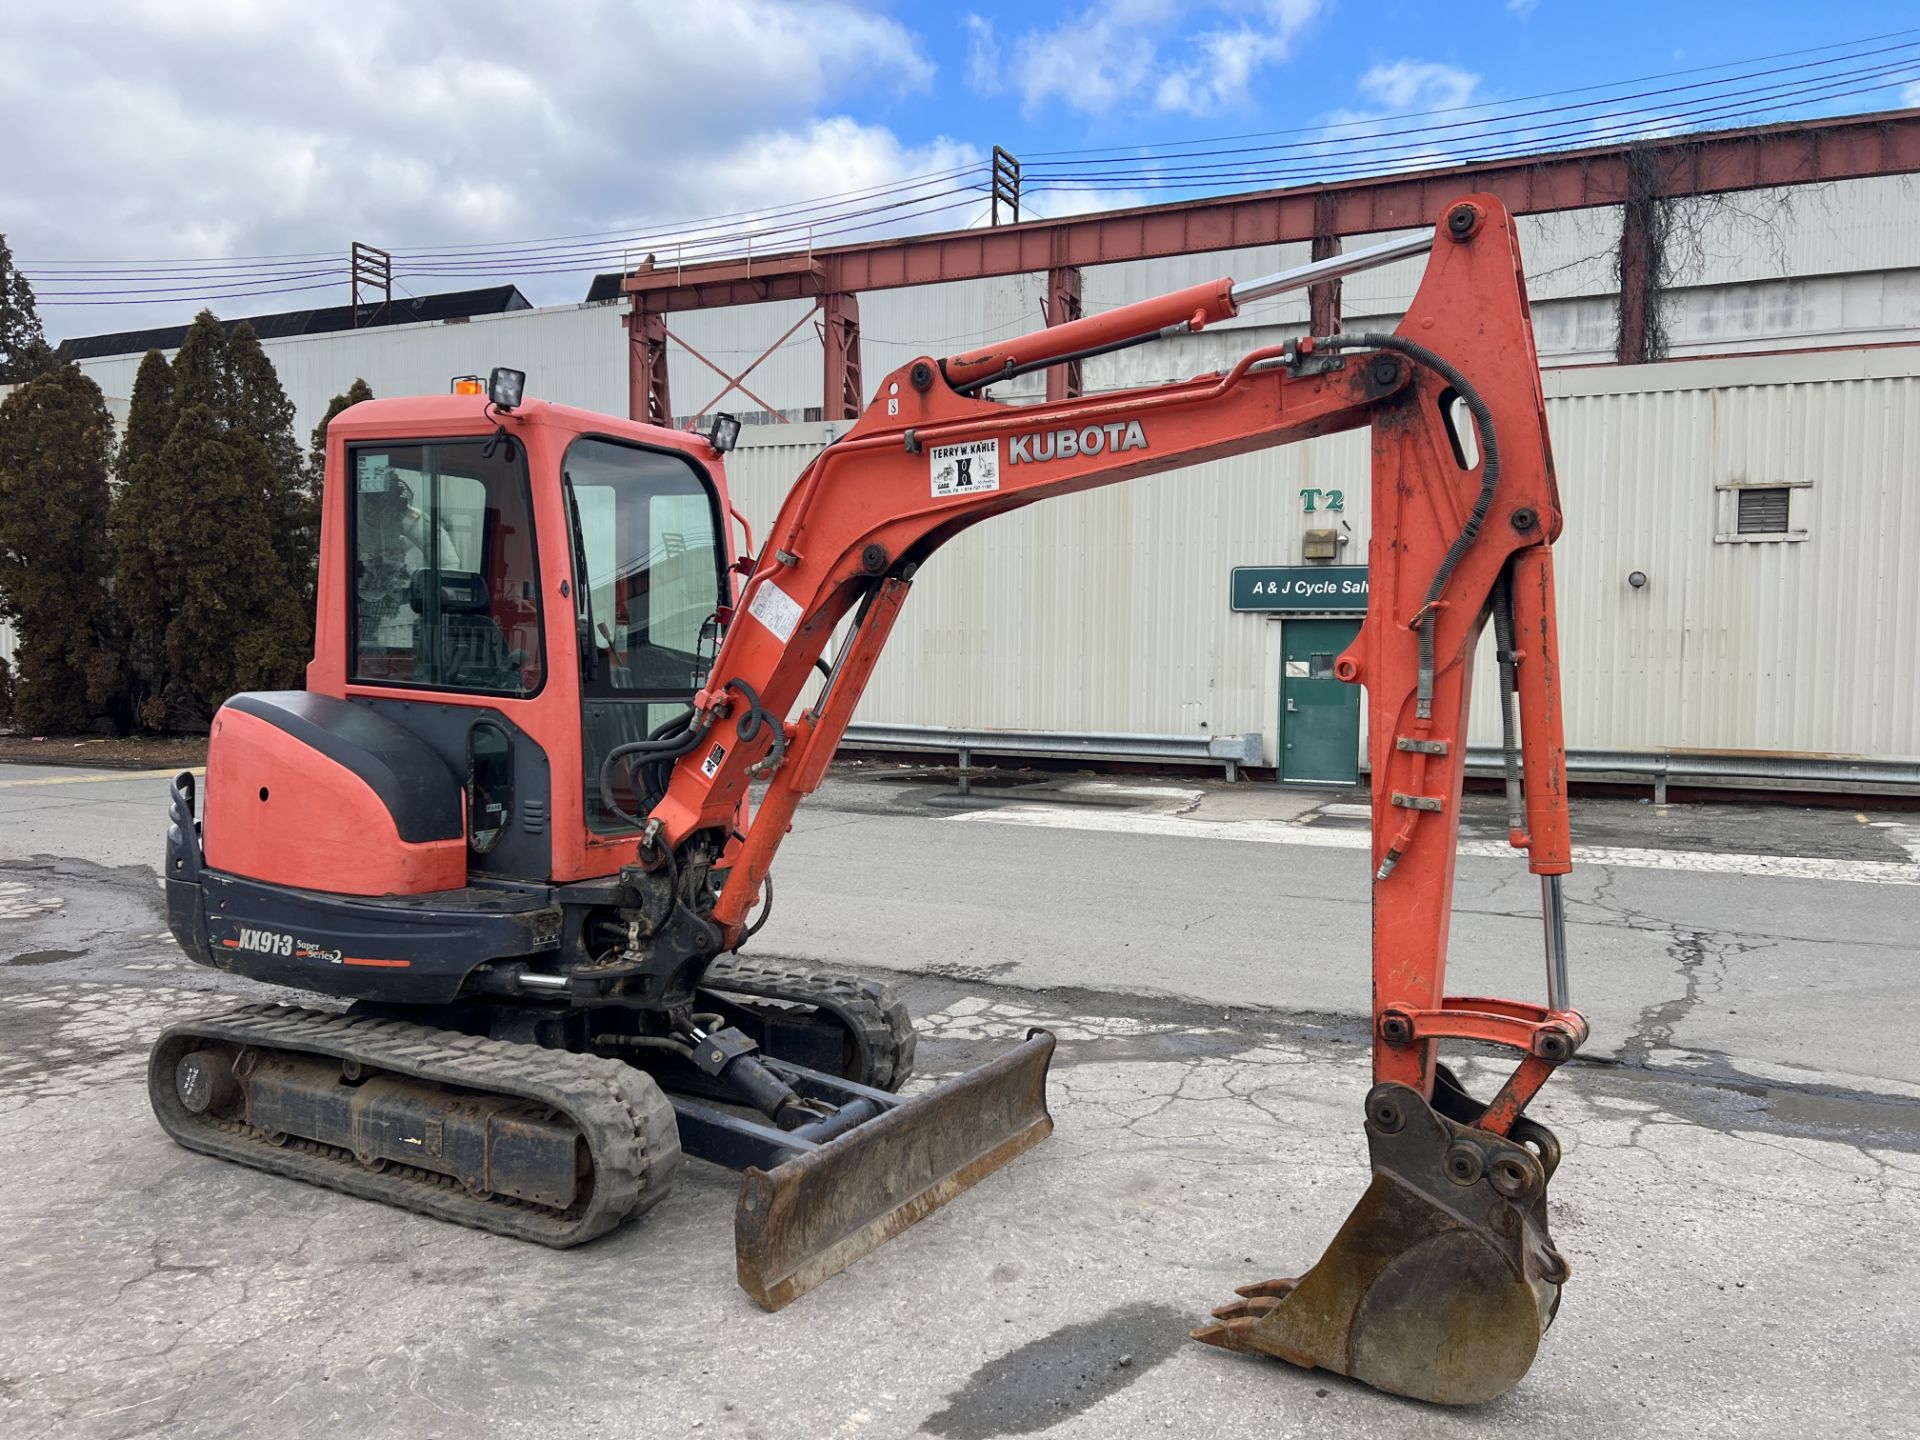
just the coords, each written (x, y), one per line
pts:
(811, 1216)
(1442, 1281)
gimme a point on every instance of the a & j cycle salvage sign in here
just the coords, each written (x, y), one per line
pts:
(1295, 588)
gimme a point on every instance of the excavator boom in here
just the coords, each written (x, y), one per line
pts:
(1444, 1279)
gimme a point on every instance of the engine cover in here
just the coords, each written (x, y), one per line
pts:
(308, 791)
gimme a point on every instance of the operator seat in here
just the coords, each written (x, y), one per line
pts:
(467, 648)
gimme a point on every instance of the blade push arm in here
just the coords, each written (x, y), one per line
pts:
(1456, 536)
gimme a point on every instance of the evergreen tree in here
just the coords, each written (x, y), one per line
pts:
(316, 485)
(56, 441)
(213, 531)
(149, 414)
(141, 578)
(221, 615)
(317, 449)
(261, 413)
(24, 352)
(200, 368)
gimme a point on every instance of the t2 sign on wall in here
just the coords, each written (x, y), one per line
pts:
(1299, 589)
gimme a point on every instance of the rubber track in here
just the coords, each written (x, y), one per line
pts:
(626, 1120)
(867, 1007)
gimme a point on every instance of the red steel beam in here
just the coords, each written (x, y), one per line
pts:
(1323, 300)
(1847, 148)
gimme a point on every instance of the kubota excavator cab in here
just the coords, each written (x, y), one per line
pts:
(511, 591)
(498, 609)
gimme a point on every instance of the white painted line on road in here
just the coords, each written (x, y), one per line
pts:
(1280, 832)
(1265, 832)
(100, 777)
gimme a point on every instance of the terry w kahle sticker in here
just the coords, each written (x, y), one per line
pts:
(963, 469)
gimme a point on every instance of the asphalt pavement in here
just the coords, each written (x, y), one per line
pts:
(1739, 1198)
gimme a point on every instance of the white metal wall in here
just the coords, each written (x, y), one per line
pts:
(575, 354)
(1109, 610)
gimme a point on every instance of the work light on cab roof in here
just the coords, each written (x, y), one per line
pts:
(506, 388)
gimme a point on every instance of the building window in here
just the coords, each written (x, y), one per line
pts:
(1762, 512)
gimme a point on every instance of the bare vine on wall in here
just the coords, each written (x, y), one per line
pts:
(1669, 240)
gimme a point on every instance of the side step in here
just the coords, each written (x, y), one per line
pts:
(815, 1213)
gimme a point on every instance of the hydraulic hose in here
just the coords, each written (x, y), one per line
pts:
(766, 913)
(751, 724)
(1509, 729)
(1483, 503)
(678, 736)
(668, 741)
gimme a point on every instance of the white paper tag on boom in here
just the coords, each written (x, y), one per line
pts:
(775, 609)
(964, 469)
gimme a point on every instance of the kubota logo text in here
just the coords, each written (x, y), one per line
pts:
(1064, 444)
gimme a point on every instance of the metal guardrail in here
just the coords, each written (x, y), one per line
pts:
(1232, 751)
(1658, 768)
(1731, 769)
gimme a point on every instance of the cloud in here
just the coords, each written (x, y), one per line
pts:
(1910, 95)
(1522, 8)
(1425, 84)
(211, 127)
(983, 55)
(1230, 58)
(1141, 55)
(1406, 87)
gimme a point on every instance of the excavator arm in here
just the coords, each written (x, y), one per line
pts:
(1443, 1279)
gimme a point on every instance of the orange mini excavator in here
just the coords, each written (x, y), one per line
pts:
(508, 819)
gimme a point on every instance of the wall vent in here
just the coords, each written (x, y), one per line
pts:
(1763, 512)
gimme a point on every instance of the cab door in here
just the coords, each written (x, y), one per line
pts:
(649, 588)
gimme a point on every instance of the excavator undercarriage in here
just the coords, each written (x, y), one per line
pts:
(547, 1120)
(522, 819)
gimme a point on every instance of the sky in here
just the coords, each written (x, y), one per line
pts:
(189, 131)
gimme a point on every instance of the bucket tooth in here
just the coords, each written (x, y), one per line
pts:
(810, 1217)
(1443, 1279)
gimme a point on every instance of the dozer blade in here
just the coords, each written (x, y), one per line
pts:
(1443, 1279)
(809, 1218)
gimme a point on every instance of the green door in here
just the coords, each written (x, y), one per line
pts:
(1319, 715)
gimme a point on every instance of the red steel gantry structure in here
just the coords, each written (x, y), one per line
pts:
(1816, 152)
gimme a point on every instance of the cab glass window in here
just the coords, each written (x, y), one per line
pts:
(445, 590)
(648, 577)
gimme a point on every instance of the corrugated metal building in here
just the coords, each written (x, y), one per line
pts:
(1110, 612)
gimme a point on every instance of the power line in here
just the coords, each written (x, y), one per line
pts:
(1042, 168)
(1321, 155)
(1698, 120)
(823, 203)
(1043, 155)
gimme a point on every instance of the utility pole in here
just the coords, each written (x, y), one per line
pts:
(1006, 184)
(373, 269)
